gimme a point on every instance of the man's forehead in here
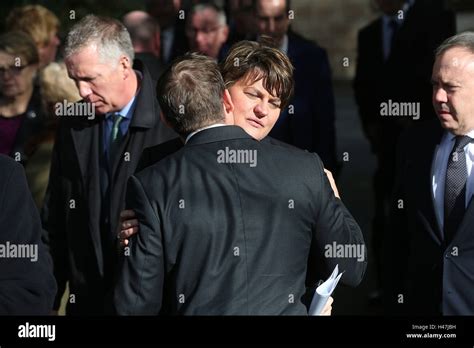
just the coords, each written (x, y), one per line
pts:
(456, 57)
(206, 16)
(270, 6)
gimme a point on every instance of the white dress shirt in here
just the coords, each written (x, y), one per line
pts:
(439, 168)
(201, 129)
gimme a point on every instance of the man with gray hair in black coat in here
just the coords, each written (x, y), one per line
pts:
(98, 145)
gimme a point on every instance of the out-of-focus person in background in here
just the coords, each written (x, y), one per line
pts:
(308, 121)
(207, 30)
(172, 22)
(240, 19)
(145, 34)
(20, 101)
(56, 87)
(395, 56)
(41, 25)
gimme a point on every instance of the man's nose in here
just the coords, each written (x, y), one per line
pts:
(271, 25)
(84, 89)
(439, 95)
(200, 37)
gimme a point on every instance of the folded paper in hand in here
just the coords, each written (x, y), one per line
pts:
(322, 292)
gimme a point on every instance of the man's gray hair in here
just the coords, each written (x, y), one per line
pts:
(221, 17)
(109, 35)
(463, 40)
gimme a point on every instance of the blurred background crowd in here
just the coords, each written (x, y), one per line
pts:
(345, 67)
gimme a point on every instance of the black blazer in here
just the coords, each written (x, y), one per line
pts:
(33, 123)
(219, 238)
(27, 285)
(311, 123)
(433, 277)
(72, 208)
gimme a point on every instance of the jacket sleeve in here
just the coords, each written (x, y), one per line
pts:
(139, 287)
(337, 238)
(53, 218)
(27, 285)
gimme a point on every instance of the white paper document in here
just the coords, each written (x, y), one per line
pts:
(322, 292)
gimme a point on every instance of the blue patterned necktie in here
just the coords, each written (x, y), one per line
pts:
(455, 188)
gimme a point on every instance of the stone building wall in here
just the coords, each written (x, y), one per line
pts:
(334, 25)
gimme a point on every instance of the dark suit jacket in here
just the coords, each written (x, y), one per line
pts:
(405, 76)
(222, 238)
(311, 126)
(420, 266)
(72, 208)
(27, 286)
(33, 124)
(152, 63)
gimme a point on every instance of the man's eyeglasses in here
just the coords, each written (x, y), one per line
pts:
(12, 70)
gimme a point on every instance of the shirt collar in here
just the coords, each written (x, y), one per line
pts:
(450, 138)
(201, 129)
(406, 6)
(284, 44)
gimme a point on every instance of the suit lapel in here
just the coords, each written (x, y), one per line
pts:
(465, 228)
(425, 162)
(86, 142)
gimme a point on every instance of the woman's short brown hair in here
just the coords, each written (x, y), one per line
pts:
(35, 20)
(254, 61)
(20, 45)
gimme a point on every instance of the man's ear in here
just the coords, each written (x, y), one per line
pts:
(228, 107)
(125, 65)
(225, 33)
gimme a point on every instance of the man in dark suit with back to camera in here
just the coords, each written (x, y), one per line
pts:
(430, 251)
(93, 157)
(27, 285)
(227, 223)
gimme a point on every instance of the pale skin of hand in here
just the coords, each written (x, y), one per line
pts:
(328, 307)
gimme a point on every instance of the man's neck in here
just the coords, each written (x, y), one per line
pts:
(132, 88)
